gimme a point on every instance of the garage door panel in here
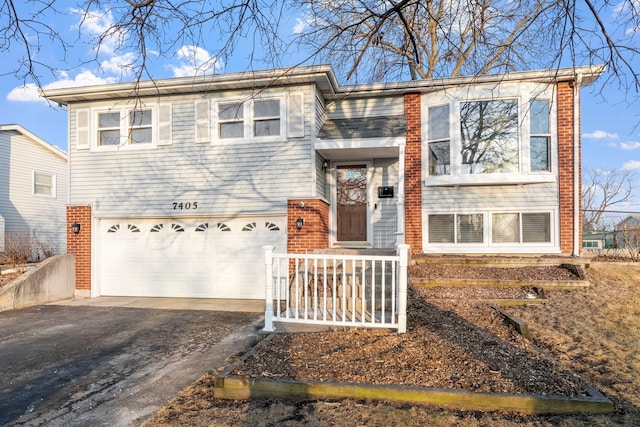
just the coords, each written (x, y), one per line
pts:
(209, 259)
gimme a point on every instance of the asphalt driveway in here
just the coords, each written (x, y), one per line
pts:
(99, 365)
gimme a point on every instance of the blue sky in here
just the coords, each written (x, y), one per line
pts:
(610, 124)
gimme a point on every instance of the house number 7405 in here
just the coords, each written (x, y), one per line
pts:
(185, 206)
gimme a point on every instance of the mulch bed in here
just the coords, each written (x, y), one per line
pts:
(452, 343)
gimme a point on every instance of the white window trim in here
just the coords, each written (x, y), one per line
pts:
(248, 118)
(487, 245)
(124, 128)
(53, 194)
(523, 93)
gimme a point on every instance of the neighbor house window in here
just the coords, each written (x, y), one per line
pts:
(539, 145)
(44, 184)
(439, 142)
(489, 136)
(231, 120)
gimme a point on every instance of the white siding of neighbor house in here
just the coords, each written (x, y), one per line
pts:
(39, 217)
(365, 107)
(384, 216)
(225, 179)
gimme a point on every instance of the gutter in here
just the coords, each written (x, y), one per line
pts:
(576, 166)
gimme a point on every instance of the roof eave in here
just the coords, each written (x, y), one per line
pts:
(322, 75)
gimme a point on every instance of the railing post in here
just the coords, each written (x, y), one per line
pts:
(403, 253)
(268, 289)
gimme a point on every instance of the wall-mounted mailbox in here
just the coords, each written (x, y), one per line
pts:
(385, 191)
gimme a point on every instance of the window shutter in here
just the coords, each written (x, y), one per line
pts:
(296, 115)
(203, 128)
(164, 124)
(82, 129)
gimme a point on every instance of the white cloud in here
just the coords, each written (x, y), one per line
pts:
(600, 134)
(30, 92)
(631, 145)
(119, 64)
(100, 27)
(194, 60)
(301, 24)
(26, 93)
(631, 165)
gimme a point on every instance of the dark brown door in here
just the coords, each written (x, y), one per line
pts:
(351, 199)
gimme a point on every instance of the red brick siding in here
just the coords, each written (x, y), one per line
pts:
(566, 166)
(80, 244)
(315, 232)
(413, 172)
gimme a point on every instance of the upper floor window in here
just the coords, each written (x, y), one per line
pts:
(259, 118)
(474, 138)
(540, 139)
(231, 120)
(489, 136)
(124, 127)
(439, 143)
(266, 117)
(44, 184)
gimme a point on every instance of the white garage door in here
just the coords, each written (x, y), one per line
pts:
(186, 258)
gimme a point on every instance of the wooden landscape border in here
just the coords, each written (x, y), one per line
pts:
(236, 387)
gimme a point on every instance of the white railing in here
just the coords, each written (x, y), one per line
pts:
(338, 290)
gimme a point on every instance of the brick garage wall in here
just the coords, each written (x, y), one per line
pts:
(566, 157)
(315, 232)
(413, 172)
(80, 245)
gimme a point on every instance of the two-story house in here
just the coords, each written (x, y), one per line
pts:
(177, 184)
(33, 194)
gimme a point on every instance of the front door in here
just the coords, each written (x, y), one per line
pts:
(351, 202)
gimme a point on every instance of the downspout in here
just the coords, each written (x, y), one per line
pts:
(577, 191)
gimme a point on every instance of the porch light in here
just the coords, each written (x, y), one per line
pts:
(325, 166)
(75, 227)
(299, 222)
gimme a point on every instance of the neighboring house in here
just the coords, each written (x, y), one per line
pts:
(627, 232)
(33, 192)
(178, 183)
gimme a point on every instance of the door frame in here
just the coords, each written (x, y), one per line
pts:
(333, 181)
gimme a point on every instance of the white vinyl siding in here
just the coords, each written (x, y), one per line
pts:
(40, 217)
(384, 216)
(225, 179)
